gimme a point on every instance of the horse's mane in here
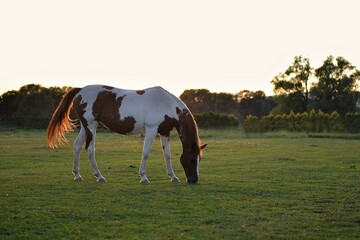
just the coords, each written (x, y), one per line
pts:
(193, 124)
(189, 130)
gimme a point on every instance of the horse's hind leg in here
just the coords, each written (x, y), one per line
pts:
(165, 141)
(79, 142)
(90, 132)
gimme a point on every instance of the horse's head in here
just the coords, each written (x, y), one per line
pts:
(190, 161)
(192, 150)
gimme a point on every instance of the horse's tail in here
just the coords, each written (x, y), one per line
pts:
(60, 121)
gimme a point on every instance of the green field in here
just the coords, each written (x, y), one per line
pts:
(271, 186)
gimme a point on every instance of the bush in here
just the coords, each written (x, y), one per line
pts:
(336, 124)
(268, 123)
(252, 124)
(312, 121)
(308, 122)
(352, 122)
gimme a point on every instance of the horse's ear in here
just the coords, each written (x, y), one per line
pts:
(203, 146)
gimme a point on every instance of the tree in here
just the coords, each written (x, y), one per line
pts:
(31, 106)
(198, 100)
(8, 104)
(294, 82)
(253, 103)
(36, 102)
(202, 100)
(224, 103)
(335, 90)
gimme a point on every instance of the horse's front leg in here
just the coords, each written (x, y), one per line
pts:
(165, 142)
(149, 139)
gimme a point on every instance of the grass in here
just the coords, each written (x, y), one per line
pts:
(261, 186)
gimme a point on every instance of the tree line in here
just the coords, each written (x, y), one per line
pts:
(332, 87)
(29, 107)
(240, 104)
(33, 105)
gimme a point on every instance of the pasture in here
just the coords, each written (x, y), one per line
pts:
(271, 186)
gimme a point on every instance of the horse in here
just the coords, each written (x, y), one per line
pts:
(153, 111)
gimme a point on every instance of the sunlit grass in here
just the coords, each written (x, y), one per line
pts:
(269, 186)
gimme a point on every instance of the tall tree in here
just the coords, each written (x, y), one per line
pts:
(335, 90)
(294, 82)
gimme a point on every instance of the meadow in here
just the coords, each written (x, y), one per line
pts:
(260, 186)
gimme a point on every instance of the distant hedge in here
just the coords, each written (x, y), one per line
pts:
(24, 123)
(352, 122)
(308, 122)
(215, 120)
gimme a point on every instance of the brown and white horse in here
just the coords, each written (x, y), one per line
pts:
(153, 110)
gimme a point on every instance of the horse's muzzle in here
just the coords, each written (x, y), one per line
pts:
(192, 180)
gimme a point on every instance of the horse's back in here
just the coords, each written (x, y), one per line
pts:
(115, 107)
(155, 95)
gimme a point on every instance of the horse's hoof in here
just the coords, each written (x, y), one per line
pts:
(145, 181)
(78, 178)
(175, 180)
(101, 180)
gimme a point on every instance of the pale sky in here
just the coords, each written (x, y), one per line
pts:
(224, 46)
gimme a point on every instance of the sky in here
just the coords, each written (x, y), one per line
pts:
(223, 46)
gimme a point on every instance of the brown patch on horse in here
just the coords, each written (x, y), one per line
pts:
(126, 125)
(140, 92)
(106, 109)
(167, 125)
(80, 111)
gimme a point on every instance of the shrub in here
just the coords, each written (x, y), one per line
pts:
(312, 121)
(304, 122)
(291, 121)
(322, 121)
(336, 123)
(252, 124)
(352, 122)
(268, 122)
(309, 122)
